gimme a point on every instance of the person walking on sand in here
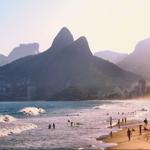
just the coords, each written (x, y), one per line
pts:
(53, 125)
(140, 129)
(110, 122)
(129, 134)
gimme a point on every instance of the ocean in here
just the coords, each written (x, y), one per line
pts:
(90, 120)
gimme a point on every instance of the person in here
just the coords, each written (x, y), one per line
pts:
(129, 134)
(122, 120)
(140, 129)
(111, 134)
(49, 126)
(53, 125)
(118, 123)
(110, 122)
(68, 122)
(71, 124)
(145, 121)
(125, 119)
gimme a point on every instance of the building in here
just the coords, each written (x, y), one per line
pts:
(141, 91)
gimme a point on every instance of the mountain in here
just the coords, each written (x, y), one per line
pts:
(2, 59)
(22, 50)
(63, 39)
(138, 61)
(111, 56)
(70, 72)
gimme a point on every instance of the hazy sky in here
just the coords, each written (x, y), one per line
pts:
(108, 24)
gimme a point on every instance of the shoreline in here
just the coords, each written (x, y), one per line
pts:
(120, 139)
(71, 99)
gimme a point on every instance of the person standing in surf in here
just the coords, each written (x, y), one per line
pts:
(110, 121)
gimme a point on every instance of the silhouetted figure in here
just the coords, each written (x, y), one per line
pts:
(49, 126)
(145, 121)
(125, 119)
(110, 122)
(111, 134)
(118, 123)
(140, 129)
(53, 125)
(68, 122)
(71, 124)
(129, 134)
(122, 120)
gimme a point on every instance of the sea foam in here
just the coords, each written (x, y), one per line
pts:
(32, 111)
(15, 128)
(7, 118)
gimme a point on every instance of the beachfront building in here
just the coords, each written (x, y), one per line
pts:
(141, 88)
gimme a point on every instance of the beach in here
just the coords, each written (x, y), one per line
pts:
(137, 141)
(24, 126)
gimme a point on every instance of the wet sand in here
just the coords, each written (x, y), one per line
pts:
(137, 141)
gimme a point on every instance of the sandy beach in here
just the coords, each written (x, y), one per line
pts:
(137, 141)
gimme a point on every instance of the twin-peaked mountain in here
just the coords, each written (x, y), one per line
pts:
(67, 70)
(22, 50)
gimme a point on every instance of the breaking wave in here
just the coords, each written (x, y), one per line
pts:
(7, 118)
(32, 111)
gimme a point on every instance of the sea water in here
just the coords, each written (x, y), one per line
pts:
(91, 119)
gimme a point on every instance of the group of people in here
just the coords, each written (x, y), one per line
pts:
(70, 122)
(123, 120)
(129, 132)
(51, 126)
